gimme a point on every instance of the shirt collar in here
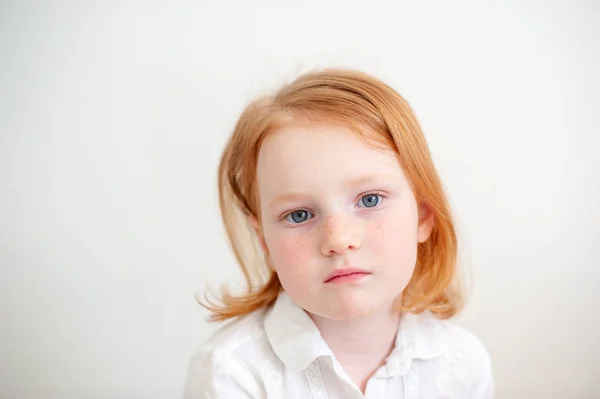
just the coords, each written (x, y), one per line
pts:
(420, 336)
(297, 342)
(293, 335)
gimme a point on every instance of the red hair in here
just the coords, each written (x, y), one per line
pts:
(356, 100)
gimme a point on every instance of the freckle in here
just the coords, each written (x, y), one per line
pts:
(298, 249)
(377, 229)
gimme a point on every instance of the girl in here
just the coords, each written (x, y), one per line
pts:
(343, 232)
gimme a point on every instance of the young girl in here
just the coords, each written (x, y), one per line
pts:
(343, 232)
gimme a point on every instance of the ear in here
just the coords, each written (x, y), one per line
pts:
(426, 222)
(258, 230)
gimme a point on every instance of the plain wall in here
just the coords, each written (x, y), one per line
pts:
(113, 116)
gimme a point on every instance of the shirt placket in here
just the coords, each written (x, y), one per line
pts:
(315, 381)
(375, 388)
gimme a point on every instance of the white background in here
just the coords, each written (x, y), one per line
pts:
(113, 116)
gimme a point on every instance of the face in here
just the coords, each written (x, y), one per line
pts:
(333, 205)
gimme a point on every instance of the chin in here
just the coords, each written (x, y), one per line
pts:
(349, 311)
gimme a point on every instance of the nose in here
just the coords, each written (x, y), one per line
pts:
(340, 236)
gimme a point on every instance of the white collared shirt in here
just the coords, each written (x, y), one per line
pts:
(279, 353)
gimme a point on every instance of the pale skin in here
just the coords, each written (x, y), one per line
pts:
(329, 201)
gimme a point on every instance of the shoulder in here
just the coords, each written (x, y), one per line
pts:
(466, 361)
(234, 338)
(466, 346)
(433, 337)
(454, 362)
(225, 362)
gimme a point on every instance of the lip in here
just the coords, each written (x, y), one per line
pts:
(350, 273)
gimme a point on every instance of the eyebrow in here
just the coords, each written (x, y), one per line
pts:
(355, 182)
(359, 181)
(288, 197)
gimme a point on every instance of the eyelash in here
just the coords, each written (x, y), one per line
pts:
(377, 193)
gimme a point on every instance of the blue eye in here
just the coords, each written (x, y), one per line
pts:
(370, 200)
(298, 216)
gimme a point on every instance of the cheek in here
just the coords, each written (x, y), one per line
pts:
(290, 253)
(394, 239)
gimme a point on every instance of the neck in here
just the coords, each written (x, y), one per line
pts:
(362, 345)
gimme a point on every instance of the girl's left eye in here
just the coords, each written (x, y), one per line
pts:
(369, 200)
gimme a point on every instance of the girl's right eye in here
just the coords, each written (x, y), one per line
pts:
(299, 216)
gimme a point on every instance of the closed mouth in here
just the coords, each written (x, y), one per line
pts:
(346, 275)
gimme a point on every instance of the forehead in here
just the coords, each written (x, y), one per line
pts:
(316, 154)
